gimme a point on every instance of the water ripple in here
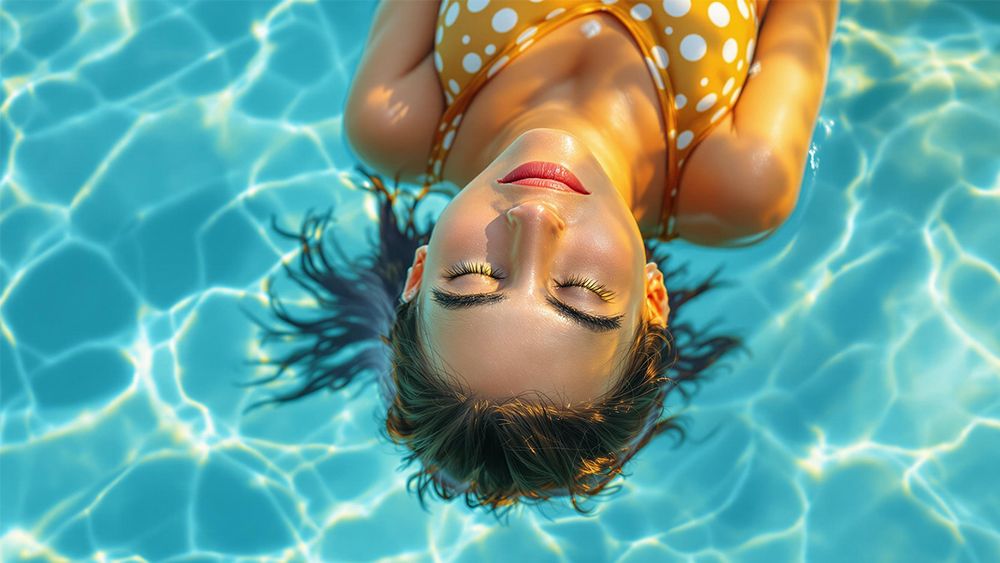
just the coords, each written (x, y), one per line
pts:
(144, 147)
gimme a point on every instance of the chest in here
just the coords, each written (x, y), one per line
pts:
(590, 64)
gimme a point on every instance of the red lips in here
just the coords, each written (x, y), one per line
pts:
(544, 175)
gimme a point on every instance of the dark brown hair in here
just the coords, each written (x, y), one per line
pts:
(493, 453)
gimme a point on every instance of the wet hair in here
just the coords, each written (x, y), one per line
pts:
(492, 453)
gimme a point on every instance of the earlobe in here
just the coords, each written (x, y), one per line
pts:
(657, 300)
(414, 274)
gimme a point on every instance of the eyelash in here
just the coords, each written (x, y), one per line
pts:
(587, 283)
(481, 268)
(485, 269)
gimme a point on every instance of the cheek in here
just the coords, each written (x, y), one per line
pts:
(612, 245)
(459, 234)
(607, 251)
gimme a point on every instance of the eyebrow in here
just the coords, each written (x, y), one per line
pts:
(591, 322)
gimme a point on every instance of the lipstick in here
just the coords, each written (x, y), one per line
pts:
(542, 174)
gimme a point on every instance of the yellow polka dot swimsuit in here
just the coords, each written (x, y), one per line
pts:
(698, 53)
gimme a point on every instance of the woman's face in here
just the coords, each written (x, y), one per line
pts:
(527, 289)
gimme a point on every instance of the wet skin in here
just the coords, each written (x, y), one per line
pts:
(532, 289)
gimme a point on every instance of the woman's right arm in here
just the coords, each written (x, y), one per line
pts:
(743, 179)
(395, 100)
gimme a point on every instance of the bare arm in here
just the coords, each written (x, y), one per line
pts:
(743, 178)
(395, 101)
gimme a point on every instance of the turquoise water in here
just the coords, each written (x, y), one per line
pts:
(145, 147)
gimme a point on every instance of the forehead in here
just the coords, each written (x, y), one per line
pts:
(517, 346)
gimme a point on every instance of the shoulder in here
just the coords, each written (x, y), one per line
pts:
(735, 188)
(395, 100)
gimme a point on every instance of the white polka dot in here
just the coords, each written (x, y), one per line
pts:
(654, 72)
(438, 63)
(684, 139)
(476, 5)
(437, 167)
(718, 114)
(742, 6)
(449, 97)
(471, 62)
(439, 34)
(739, 65)
(448, 139)
(680, 163)
(608, 1)
(729, 49)
(754, 69)
(640, 12)
(444, 4)
(750, 47)
(673, 134)
(673, 192)
(590, 28)
(703, 81)
(526, 34)
(457, 120)
(728, 86)
(668, 30)
(452, 15)
(693, 47)
(661, 57)
(680, 100)
(706, 102)
(453, 85)
(504, 20)
(442, 126)
(497, 65)
(490, 49)
(466, 39)
(525, 45)
(676, 8)
(555, 13)
(718, 14)
(736, 94)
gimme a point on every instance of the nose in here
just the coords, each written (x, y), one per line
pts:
(537, 227)
(536, 215)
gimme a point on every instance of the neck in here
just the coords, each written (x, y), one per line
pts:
(604, 137)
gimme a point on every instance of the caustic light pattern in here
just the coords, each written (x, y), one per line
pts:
(146, 145)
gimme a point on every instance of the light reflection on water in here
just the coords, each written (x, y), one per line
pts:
(146, 146)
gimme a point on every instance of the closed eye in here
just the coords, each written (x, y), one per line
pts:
(466, 267)
(591, 322)
(587, 283)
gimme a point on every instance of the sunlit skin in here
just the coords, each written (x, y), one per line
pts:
(584, 100)
(536, 239)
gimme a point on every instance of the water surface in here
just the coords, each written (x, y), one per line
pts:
(145, 147)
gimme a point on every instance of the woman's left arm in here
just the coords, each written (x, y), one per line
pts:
(743, 178)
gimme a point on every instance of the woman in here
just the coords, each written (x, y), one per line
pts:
(530, 351)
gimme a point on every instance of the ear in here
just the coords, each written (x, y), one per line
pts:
(657, 302)
(414, 274)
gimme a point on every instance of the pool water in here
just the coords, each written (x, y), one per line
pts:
(146, 146)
